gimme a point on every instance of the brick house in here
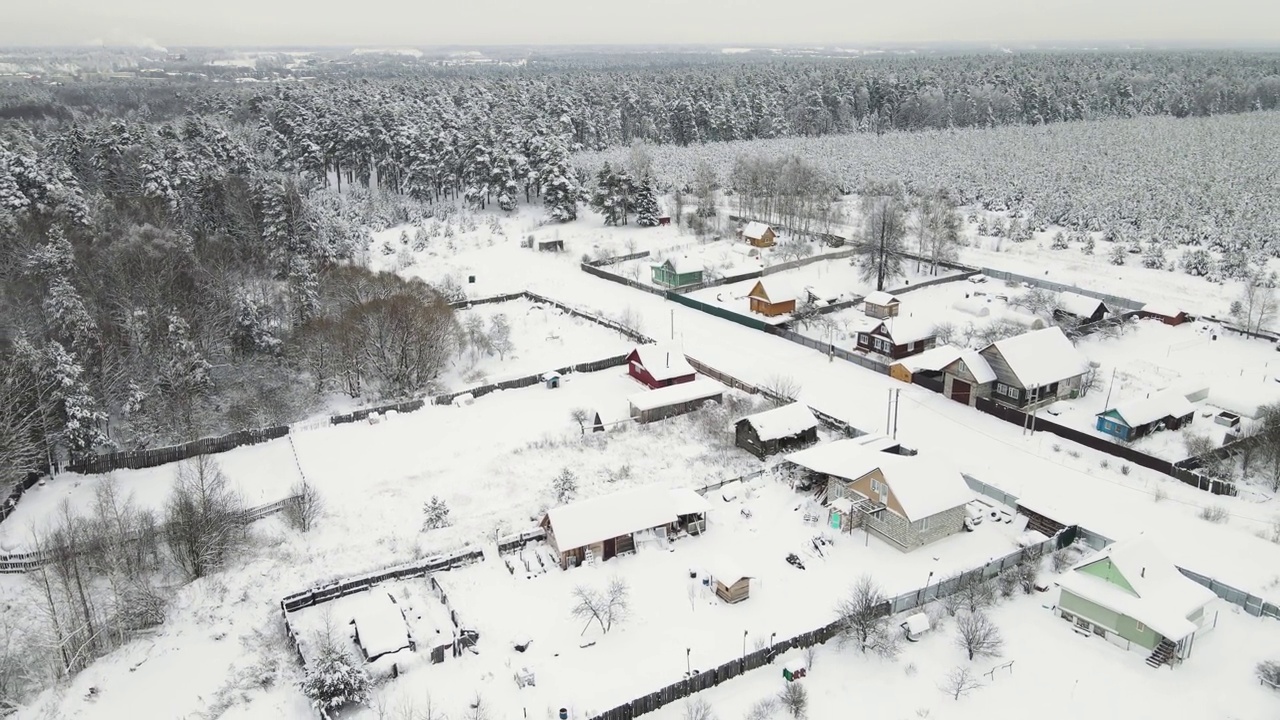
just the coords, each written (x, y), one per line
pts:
(908, 501)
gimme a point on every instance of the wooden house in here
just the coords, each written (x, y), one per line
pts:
(909, 501)
(1167, 314)
(677, 272)
(603, 527)
(929, 363)
(880, 304)
(730, 583)
(1034, 369)
(968, 377)
(1130, 594)
(782, 429)
(895, 337)
(772, 298)
(759, 235)
(652, 405)
(1079, 308)
(1129, 421)
(658, 366)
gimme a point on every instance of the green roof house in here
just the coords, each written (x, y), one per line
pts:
(1135, 597)
(678, 272)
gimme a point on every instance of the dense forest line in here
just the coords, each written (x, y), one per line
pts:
(172, 255)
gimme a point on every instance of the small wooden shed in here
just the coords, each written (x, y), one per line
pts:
(731, 584)
(880, 304)
(781, 429)
(1167, 314)
(773, 300)
(759, 234)
(672, 400)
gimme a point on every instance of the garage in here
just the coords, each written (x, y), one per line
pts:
(960, 391)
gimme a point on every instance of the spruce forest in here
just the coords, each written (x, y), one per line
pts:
(180, 259)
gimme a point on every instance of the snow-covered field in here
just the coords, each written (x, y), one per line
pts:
(727, 258)
(542, 338)
(1055, 674)
(669, 610)
(493, 462)
(832, 279)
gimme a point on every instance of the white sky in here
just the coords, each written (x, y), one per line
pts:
(724, 22)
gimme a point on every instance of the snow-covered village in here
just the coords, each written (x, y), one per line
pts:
(400, 371)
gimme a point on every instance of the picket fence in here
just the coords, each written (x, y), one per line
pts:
(23, 562)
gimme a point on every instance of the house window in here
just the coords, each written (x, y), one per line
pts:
(963, 370)
(882, 346)
(1141, 627)
(1099, 631)
(879, 488)
(923, 525)
(1008, 391)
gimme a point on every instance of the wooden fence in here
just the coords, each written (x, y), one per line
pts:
(1114, 301)
(1038, 423)
(22, 562)
(529, 380)
(138, 459)
(616, 259)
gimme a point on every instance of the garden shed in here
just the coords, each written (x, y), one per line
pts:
(782, 429)
(730, 583)
(673, 400)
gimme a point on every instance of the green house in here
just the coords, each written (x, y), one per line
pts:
(1133, 596)
(678, 272)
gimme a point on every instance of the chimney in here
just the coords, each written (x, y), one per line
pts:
(1143, 573)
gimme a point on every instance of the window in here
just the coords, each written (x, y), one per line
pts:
(963, 369)
(1099, 631)
(1008, 391)
(923, 525)
(883, 346)
(1141, 627)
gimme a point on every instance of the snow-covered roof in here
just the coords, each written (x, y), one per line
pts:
(611, 413)
(795, 664)
(775, 290)
(1158, 406)
(754, 230)
(877, 442)
(922, 486)
(843, 505)
(880, 297)
(609, 516)
(932, 360)
(1162, 309)
(783, 422)
(824, 292)
(687, 502)
(379, 623)
(663, 362)
(1242, 396)
(1042, 357)
(727, 571)
(903, 330)
(683, 264)
(1162, 596)
(699, 389)
(1078, 305)
(917, 624)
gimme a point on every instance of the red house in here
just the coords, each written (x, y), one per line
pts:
(1167, 314)
(658, 366)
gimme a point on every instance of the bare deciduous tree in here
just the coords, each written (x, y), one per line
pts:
(978, 636)
(604, 607)
(781, 389)
(204, 520)
(762, 709)
(864, 617)
(879, 248)
(1256, 307)
(959, 682)
(697, 708)
(301, 513)
(795, 699)
(580, 416)
(500, 335)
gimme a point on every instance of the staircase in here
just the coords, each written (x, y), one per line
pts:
(1163, 653)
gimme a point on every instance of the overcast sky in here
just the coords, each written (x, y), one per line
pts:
(724, 22)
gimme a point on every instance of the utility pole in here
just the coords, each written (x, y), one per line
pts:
(897, 402)
(673, 324)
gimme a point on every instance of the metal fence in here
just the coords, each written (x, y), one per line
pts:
(605, 275)
(1114, 301)
(1251, 603)
(802, 262)
(847, 356)
(965, 275)
(990, 491)
(529, 380)
(717, 311)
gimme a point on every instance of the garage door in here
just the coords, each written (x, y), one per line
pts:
(960, 391)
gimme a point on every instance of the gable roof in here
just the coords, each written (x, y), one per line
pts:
(1163, 310)
(608, 516)
(903, 330)
(1079, 305)
(880, 297)
(1159, 406)
(922, 486)
(773, 291)
(683, 264)
(1162, 596)
(1041, 357)
(755, 230)
(663, 362)
(782, 421)
(700, 389)
(944, 356)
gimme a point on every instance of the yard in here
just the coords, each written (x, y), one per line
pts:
(670, 612)
(1045, 668)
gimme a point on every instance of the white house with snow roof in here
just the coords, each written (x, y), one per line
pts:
(1132, 595)
(781, 429)
(1033, 369)
(909, 501)
(602, 527)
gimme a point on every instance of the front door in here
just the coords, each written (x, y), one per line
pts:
(960, 390)
(610, 548)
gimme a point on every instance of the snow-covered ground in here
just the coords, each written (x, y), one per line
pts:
(542, 338)
(669, 610)
(1055, 674)
(832, 279)
(493, 462)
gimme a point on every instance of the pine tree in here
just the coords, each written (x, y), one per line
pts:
(1087, 248)
(646, 203)
(606, 198)
(82, 418)
(1117, 254)
(333, 680)
(1153, 256)
(1059, 241)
